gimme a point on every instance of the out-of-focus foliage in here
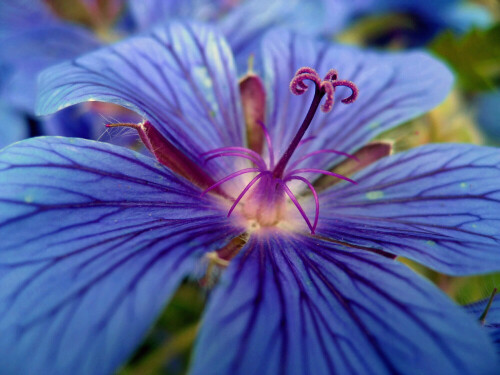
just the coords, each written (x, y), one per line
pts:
(475, 57)
(167, 347)
(449, 122)
(487, 112)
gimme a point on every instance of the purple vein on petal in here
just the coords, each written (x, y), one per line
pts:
(320, 171)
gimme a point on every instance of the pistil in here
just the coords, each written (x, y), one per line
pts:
(267, 190)
(322, 87)
(280, 167)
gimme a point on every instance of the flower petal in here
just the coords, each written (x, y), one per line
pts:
(95, 238)
(245, 24)
(13, 127)
(300, 305)
(27, 53)
(437, 204)
(492, 321)
(393, 88)
(180, 77)
(21, 15)
(146, 13)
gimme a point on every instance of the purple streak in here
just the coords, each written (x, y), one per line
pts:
(233, 148)
(245, 190)
(305, 140)
(297, 204)
(316, 200)
(269, 143)
(313, 170)
(230, 177)
(307, 156)
(248, 157)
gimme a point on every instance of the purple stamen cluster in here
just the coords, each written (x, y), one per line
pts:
(280, 174)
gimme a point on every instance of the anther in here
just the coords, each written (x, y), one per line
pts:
(352, 86)
(298, 86)
(327, 87)
(331, 75)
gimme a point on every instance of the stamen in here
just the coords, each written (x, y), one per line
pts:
(245, 190)
(320, 171)
(234, 148)
(316, 200)
(311, 154)
(230, 177)
(297, 204)
(124, 124)
(169, 155)
(305, 140)
(248, 157)
(269, 144)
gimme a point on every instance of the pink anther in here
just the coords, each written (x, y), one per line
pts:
(331, 75)
(298, 86)
(350, 85)
(306, 69)
(327, 87)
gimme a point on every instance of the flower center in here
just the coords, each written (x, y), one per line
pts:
(266, 193)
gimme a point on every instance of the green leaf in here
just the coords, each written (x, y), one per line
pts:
(475, 57)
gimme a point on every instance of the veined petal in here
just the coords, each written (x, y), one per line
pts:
(27, 53)
(393, 88)
(246, 24)
(299, 305)
(150, 12)
(89, 121)
(492, 321)
(94, 240)
(13, 127)
(181, 77)
(21, 15)
(437, 204)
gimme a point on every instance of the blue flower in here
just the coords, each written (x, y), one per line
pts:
(96, 237)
